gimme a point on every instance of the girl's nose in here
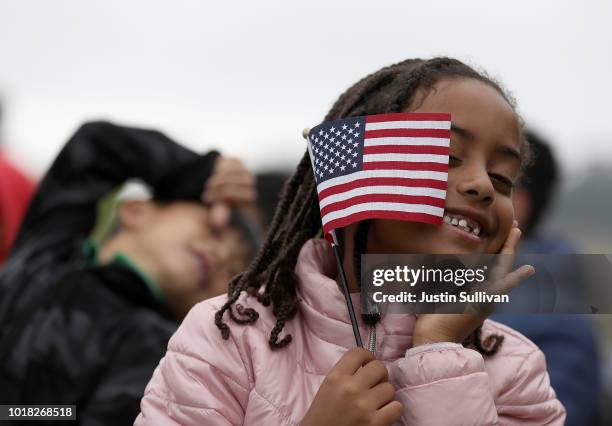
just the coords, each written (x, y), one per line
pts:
(477, 185)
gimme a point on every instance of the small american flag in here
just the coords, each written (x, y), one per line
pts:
(387, 166)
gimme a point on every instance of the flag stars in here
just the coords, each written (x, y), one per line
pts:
(344, 126)
(332, 130)
(350, 131)
(357, 124)
(343, 137)
(342, 168)
(354, 165)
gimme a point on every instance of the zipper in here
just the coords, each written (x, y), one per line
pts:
(372, 339)
(370, 315)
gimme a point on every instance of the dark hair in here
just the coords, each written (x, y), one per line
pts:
(540, 179)
(270, 276)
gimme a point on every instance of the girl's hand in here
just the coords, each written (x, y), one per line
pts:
(433, 328)
(356, 392)
(230, 185)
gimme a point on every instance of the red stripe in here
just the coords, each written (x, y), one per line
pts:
(405, 165)
(408, 116)
(381, 214)
(378, 181)
(408, 133)
(406, 149)
(383, 198)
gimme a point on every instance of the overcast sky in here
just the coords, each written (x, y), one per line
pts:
(246, 77)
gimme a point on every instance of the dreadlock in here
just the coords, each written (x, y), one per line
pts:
(270, 277)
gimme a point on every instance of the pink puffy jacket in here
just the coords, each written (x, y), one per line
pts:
(205, 380)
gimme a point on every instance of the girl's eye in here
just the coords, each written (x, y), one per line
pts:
(506, 183)
(453, 159)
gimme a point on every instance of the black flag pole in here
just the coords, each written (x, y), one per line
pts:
(341, 272)
(347, 294)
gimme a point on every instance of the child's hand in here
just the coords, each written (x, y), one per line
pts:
(355, 392)
(230, 185)
(433, 328)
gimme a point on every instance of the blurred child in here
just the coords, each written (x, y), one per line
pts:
(287, 357)
(86, 323)
(568, 341)
(15, 192)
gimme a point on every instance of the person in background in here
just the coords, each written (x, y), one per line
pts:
(15, 192)
(568, 341)
(84, 320)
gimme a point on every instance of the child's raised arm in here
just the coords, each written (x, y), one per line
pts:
(97, 158)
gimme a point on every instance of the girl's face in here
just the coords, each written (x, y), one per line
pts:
(484, 163)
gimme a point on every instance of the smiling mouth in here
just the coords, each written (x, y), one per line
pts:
(465, 224)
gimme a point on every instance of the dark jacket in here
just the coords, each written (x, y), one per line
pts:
(76, 333)
(568, 341)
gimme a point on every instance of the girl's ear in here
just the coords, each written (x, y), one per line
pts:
(135, 215)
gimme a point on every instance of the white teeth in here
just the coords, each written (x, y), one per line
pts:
(462, 224)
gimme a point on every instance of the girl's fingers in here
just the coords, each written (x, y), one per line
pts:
(515, 277)
(353, 360)
(372, 374)
(500, 286)
(507, 253)
(511, 243)
(390, 413)
(381, 394)
(511, 280)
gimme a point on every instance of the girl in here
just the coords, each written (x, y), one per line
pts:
(289, 362)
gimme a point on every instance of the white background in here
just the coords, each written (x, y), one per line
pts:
(248, 76)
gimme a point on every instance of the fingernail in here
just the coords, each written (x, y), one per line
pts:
(530, 270)
(515, 223)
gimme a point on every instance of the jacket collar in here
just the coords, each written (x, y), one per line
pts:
(324, 310)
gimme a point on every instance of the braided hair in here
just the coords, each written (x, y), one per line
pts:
(270, 277)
